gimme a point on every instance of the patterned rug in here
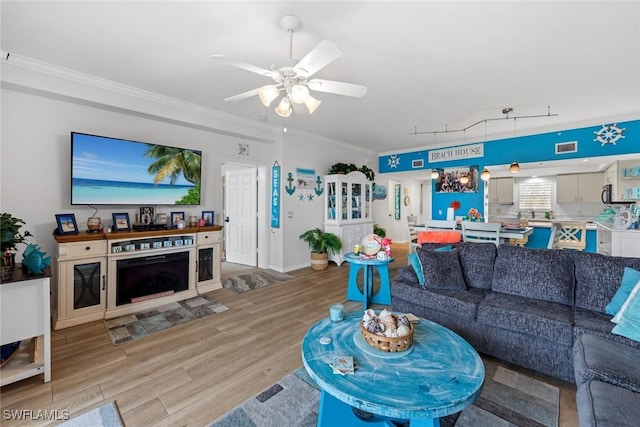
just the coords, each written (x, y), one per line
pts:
(106, 415)
(508, 399)
(147, 322)
(255, 279)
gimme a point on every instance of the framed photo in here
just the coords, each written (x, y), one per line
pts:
(209, 217)
(175, 218)
(67, 224)
(146, 215)
(121, 222)
(162, 218)
(451, 180)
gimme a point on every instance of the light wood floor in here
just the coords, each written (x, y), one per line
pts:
(193, 373)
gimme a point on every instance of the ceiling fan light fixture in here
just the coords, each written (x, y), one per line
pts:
(485, 174)
(299, 93)
(267, 94)
(311, 103)
(284, 108)
(514, 168)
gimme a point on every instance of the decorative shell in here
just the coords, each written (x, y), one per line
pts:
(403, 330)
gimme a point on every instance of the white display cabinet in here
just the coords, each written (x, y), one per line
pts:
(347, 210)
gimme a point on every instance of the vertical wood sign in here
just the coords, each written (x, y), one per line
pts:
(275, 195)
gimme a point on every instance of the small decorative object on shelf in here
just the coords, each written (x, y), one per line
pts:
(387, 331)
(66, 224)
(121, 221)
(34, 260)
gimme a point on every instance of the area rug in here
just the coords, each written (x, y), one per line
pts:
(144, 323)
(106, 415)
(255, 279)
(508, 399)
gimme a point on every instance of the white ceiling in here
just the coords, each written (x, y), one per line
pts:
(429, 65)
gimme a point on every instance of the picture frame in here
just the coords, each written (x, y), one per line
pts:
(121, 222)
(66, 224)
(209, 217)
(449, 179)
(175, 218)
(162, 218)
(146, 215)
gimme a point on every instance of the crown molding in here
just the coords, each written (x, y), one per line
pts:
(126, 91)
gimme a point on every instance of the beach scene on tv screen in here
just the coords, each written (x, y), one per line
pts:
(111, 171)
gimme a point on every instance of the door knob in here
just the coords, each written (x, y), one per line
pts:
(226, 219)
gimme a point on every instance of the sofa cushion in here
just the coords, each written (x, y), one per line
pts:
(629, 279)
(542, 274)
(414, 262)
(477, 260)
(597, 358)
(463, 303)
(597, 323)
(628, 318)
(598, 278)
(441, 269)
(602, 404)
(543, 319)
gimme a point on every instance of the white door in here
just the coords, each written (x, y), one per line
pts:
(241, 223)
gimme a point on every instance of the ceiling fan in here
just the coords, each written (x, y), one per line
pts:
(293, 78)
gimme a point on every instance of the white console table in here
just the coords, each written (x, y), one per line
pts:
(25, 316)
(85, 271)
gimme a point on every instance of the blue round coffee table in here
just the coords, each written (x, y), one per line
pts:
(441, 375)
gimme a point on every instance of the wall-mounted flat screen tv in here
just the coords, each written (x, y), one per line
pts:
(111, 171)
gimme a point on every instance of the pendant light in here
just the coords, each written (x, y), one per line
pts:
(515, 167)
(435, 174)
(485, 174)
(464, 179)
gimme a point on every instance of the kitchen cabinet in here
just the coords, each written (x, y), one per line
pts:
(629, 180)
(501, 191)
(347, 210)
(618, 242)
(582, 187)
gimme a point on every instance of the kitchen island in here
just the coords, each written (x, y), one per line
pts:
(617, 242)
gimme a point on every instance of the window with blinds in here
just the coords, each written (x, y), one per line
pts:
(536, 194)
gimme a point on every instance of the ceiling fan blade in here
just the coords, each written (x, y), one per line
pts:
(244, 95)
(339, 88)
(244, 66)
(322, 55)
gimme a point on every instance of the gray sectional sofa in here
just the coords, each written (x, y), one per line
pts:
(529, 307)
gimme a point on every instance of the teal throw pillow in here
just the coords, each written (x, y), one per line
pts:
(629, 279)
(417, 267)
(629, 316)
(444, 248)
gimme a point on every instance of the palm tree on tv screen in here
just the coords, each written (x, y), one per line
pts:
(171, 162)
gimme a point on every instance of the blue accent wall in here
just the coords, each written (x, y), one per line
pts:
(524, 149)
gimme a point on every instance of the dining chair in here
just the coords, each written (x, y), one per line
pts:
(440, 224)
(568, 235)
(413, 234)
(481, 232)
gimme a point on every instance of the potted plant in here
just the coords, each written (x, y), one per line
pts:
(10, 236)
(342, 168)
(379, 231)
(320, 243)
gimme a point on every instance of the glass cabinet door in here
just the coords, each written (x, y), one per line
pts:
(356, 201)
(331, 201)
(345, 200)
(367, 201)
(88, 285)
(205, 264)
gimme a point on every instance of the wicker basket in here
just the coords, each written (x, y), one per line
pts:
(391, 345)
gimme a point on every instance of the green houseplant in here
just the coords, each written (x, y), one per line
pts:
(10, 237)
(320, 243)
